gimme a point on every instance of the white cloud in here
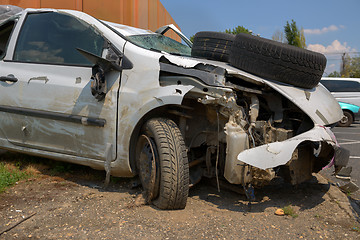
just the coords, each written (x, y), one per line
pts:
(335, 47)
(318, 31)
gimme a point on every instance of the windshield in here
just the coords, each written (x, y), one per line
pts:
(160, 42)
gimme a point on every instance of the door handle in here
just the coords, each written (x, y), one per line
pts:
(8, 78)
(42, 78)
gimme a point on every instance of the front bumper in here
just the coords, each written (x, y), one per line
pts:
(279, 153)
(295, 158)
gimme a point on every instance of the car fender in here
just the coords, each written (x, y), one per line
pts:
(130, 115)
(317, 103)
(351, 107)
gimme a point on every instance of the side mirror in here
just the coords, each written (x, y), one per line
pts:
(114, 61)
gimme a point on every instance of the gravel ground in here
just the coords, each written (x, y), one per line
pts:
(75, 206)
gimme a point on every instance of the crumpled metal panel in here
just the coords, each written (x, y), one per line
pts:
(317, 103)
(279, 153)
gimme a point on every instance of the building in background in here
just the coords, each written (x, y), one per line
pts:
(146, 14)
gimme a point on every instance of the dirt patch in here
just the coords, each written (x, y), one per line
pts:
(73, 205)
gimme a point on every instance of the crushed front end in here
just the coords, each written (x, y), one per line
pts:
(250, 130)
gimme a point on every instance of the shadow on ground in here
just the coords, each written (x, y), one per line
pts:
(279, 194)
(305, 196)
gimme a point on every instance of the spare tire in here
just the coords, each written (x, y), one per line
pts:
(212, 45)
(277, 61)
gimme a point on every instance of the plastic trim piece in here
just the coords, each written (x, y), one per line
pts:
(99, 122)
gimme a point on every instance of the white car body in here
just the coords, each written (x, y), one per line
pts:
(51, 112)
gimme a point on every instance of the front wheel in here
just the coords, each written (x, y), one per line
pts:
(163, 164)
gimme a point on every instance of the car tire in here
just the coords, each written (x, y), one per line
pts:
(347, 119)
(163, 164)
(212, 45)
(277, 61)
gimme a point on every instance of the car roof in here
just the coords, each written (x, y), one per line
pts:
(127, 30)
(122, 29)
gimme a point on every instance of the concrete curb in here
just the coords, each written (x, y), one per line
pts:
(340, 198)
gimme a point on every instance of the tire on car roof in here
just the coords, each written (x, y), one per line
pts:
(277, 61)
(212, 45)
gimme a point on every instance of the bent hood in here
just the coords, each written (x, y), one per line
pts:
(317, 103)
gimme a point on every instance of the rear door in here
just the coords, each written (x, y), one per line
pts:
(50, 106)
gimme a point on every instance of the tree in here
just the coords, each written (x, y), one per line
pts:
(350, 67)
(334, 74)
(293, 35)
(238, 29)
(354, 69)
(278, 36)
(302, 38)
(345, 65)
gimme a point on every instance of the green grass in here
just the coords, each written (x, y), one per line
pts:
(10, 174)
(288, 210)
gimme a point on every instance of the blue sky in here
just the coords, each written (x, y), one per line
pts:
(330, 26)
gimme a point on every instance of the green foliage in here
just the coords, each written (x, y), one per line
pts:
(278, 36)
(237, 30)
(354, 71)
(302, 38)
(288, 210)
(351, 67)
(293, 35)
(9, 175)
(192, 38)
(334, 74)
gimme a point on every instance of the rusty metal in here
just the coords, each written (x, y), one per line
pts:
(147, 167)
(146, 14)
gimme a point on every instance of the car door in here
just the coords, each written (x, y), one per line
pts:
(46, 102)
(348, 91)
(344, 90)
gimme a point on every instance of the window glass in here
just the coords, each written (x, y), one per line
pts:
(341, 86)
(159, 42)
(5, 33)
(53, 38)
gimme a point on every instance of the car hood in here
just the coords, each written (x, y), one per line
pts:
(317, 103)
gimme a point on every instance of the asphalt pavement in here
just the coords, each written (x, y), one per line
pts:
(349, 138)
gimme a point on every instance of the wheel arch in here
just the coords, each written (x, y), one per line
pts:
(349, 111)
(158, 112)
(132, 116)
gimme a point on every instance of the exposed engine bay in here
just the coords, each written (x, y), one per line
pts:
(243, 115)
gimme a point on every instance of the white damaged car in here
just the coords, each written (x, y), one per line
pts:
(134, 102)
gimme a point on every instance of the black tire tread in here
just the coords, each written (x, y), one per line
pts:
(174, 169)
(212, 45)
(277, 61)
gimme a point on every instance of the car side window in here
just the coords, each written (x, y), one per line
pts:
(341, 85)
(52, 38)
(5, 33)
